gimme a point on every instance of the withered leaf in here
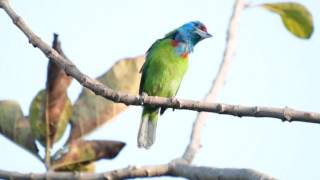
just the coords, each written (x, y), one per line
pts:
(15, 126)
(91, 111)
(56, 88)
(37, 118)
(82, 152)
(52, 103)
(79, 167)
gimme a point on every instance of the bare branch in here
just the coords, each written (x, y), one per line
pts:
(102, 90)
(171, 169)
(218, 83)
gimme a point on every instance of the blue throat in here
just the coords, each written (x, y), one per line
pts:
(186, 40)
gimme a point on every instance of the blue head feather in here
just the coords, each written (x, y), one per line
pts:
(189, 35)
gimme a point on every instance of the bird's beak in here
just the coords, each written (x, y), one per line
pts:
(203, 34)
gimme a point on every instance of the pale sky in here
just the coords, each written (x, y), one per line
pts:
(271, 68)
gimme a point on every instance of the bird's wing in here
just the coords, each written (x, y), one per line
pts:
(143, 76)
(145, 65)
(163, 109)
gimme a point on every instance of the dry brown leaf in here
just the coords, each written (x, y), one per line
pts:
(80, 153)
(15, 126)
(91, 111)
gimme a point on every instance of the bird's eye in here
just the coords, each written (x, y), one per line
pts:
(203, 28)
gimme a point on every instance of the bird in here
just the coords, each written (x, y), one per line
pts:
(162, 72)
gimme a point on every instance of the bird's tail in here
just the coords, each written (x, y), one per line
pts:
(148, 125)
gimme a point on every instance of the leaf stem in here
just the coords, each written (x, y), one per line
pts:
(48, 143)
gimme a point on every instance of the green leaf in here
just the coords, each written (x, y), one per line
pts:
(91, 111)
(37, 118)
(81, 153)
(37, 115)
(15, 127)
(295, 17)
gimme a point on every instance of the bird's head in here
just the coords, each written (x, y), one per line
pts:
(192, 33)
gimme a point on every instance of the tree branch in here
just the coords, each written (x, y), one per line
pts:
(218, 83)
(170, 169)
(104, 91)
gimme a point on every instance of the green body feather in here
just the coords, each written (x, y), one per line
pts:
(162, 74)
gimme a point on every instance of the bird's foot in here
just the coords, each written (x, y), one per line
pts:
(175, 103)
(142, 98)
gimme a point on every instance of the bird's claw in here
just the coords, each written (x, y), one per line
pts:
(175, 102)
(142, 98)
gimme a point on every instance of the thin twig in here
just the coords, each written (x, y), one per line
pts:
(218, 83)
(170, 169)
(48, 142)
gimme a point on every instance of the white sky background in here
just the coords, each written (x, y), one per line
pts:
(271, 68)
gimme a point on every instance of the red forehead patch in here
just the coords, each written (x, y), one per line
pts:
(203, 28)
